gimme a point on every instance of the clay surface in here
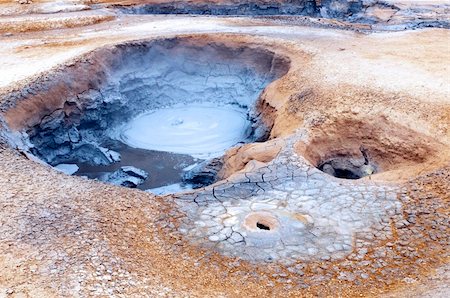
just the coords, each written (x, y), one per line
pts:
(273, 220)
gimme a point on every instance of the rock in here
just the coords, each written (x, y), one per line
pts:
(68, 169)
(24, 1)
(111, 155)
(168, 189)
(367, 170)
(340, 8)
(347, 167)
(346, 276)
(328, 169)
(60, 139)
(127, 176)
(83, 152)
(238, 157)
(74, 135)
(402, 224)
(133, 171)
(52, 121)
(204, 173)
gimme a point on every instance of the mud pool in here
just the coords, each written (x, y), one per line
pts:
(150, 114)
(200, 130)
(169, 166)
(171, 142)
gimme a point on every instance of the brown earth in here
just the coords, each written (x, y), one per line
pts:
(68, 236)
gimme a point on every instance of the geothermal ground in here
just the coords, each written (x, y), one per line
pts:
(224, 148)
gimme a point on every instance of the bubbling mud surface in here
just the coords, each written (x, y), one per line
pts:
(200, 130)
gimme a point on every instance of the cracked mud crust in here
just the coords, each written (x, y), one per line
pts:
(275, 224)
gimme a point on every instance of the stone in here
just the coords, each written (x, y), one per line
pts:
(204, 173)
(74, 135)
(127, 176)
(111, 155)
(68, 169)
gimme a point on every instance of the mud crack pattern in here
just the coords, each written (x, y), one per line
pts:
(315, 217)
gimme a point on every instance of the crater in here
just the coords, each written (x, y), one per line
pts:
(349, 167)
(352, 148)
(147, 114)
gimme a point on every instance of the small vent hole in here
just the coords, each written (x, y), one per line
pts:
(262, 226)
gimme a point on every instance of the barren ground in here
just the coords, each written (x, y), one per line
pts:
(68, 236)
